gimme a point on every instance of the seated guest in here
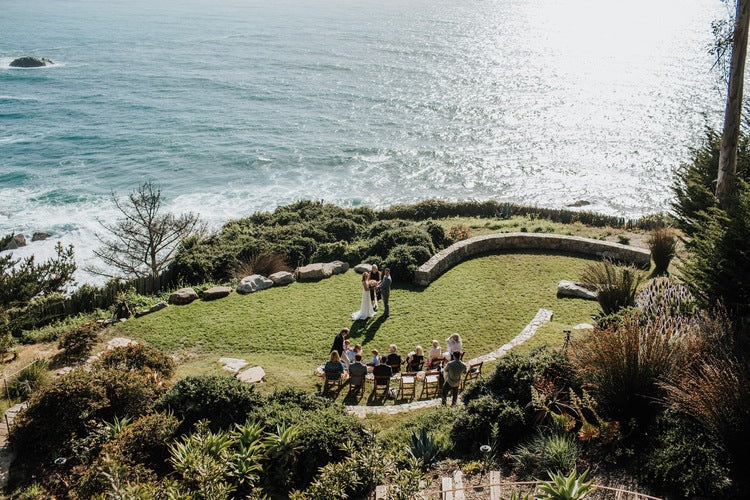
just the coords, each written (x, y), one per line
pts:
(435, 355)
(334, 368)
(375, 358)
(348, 356)
(358, 368)
(453, 344)
(357, 350)
(415, 359)
(381, 369)
(394, 358)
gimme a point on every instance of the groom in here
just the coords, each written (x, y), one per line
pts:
(385, 291)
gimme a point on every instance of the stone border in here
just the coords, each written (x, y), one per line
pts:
(542, 317)
(449, 257)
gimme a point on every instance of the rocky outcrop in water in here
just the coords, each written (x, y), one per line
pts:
(18, 241)
(30, 62)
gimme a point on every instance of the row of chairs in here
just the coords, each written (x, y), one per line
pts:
(407, 383)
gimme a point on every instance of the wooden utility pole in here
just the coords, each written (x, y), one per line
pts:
(725, 183)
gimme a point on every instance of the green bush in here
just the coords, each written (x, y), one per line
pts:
(404, 260)
(474, 425)
(515, 374)
(28, 380)
(137, 357)
(546, 452)
(664, 297)
(76, 344)
(436, 421)
(223, 401)
(684, 459)
(412, 236)
(321, 438)
(615, 285)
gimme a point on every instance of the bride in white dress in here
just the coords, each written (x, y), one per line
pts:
(365, 310)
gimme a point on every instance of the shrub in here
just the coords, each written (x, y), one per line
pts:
(137, 357)
(715, 391)
(624, 362)
(436, 421)
(341, 229)
(404, 260)
(515, 374)
(546, 452)
(663, 244)
(571, 487)
(664, 297)
(473, 426)
(77, 343)
(223, 401)
(684, 459)
(459, 232)
(6, 343)
(29, 380)
(623, 239)
(321, 437)
(437, 234)
(616, 286)
(264, 264)
(384, 243)
(327, 252)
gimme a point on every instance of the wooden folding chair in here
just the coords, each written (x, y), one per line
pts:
(395, 369)
(357, 384)
(431, 385)
(473, 372)
(408, 385)
(415, 367)
(332, 379)
(383, 381)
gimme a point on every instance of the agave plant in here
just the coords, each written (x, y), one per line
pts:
(560, 487)
(423, 447)
(116, 426)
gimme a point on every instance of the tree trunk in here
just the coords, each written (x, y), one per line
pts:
(725, 184)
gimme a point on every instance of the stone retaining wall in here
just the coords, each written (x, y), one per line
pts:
(449, 257)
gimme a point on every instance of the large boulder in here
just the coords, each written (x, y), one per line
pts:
(18, 241)
(253, 283)
(362, 268)
(313, 272)
(282, 278)
(156, 307)
(570, 289)
(30, 62)
(39, 236)
(338, 267)
(216, 292)
(183, 296)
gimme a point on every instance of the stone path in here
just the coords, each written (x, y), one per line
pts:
(6, 453)
(542, 317)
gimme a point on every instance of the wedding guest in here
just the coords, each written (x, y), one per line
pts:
(334, 367)
(435, 355)
(381, 369)
(452, 374)
(357, 368)
(348, 355)
(338, 342)
(453, 344)
(375, 358)
(353, 352)
(415, 359)
(393, 358)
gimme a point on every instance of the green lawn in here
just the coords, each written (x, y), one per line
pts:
(289, 330)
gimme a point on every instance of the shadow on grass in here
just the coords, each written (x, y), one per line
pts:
(366, 329)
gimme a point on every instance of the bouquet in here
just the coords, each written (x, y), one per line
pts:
(372, 284)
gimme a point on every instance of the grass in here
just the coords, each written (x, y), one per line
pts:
(289, 330)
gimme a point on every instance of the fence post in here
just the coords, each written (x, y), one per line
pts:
(381, 492)
(494, 485)
(458, 484)
(446, 489)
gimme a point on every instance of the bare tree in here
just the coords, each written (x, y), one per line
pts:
(725, 183)
(143, 241)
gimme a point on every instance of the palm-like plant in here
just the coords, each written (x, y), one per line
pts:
(560, 487)
(424, 448)
(616, 286)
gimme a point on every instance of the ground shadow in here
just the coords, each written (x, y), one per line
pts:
(366, 329)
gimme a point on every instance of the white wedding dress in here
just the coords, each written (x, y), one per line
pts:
(365, 309)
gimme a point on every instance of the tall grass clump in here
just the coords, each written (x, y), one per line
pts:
(616, 285)
(547, 452)
(29, 380)
(624, 362)
(663, 243)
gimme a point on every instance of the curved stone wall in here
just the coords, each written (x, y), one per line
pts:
(449, 257)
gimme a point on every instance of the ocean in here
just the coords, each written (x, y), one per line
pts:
(235, 106)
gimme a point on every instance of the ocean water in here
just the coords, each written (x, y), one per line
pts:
(233, 106)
